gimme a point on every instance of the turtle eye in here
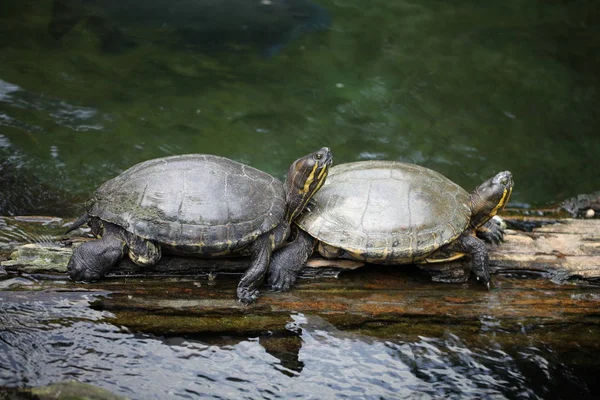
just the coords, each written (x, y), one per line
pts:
(319, 156)
(504, 181)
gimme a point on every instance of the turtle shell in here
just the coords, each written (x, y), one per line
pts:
(387, 212)
(196, 203)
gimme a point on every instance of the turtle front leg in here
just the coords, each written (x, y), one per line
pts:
(94, 259)
(260, 253)
(288, 261)
(476, 248)
(492, 231)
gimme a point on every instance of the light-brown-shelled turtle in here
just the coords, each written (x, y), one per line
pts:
(388, 212)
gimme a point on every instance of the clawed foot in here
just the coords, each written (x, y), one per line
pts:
(94, 259)
(281, 280)
(246, 294)
(483, 277)
(492, 231)
(79, 271)
(83, 275)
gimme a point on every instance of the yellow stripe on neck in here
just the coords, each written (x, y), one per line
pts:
(502, 202)
(309, 180)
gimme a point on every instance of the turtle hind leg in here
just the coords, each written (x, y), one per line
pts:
(288, 261)
(477, 250)
(144, 253)
(94, 259)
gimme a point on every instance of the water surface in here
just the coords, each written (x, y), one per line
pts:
(48, 337)
(466, 88)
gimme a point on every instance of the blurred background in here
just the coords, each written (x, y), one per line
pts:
(469, 88)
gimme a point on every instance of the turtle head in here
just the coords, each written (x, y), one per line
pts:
(305, 177)
(490, 197)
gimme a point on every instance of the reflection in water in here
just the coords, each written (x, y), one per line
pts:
(46, 337)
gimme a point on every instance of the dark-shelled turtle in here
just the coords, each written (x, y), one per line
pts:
(388, 212)
(195, 204)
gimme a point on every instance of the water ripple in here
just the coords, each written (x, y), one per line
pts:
(77, 118)
(38, 230)
(48, 337)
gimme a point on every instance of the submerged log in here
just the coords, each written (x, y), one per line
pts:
(548, 274)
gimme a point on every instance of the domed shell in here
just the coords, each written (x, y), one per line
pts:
(202, 203)
(387, 211)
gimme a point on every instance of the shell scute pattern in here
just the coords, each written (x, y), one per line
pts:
(200, 202)
(390, 211)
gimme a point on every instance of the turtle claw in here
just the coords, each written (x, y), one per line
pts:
(484, 279)
(247, 295)
(283, 286)
(91, 261)
(281, 280)
(84, 276)
(492, 231)
(78, 272)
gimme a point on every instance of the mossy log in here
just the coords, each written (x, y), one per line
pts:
(557, 249)
(549, 275)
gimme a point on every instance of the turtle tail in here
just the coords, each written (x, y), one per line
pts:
(80, 221)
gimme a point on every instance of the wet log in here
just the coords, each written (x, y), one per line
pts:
(559, 250)
(548, 275)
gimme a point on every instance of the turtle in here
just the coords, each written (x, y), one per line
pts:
(390, 212)
(199, 205)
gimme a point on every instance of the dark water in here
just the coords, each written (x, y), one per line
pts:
(468, 88)
(46, 337)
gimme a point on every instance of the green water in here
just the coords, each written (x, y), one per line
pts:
(468, 88)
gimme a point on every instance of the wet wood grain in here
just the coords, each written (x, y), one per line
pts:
(546, 275)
